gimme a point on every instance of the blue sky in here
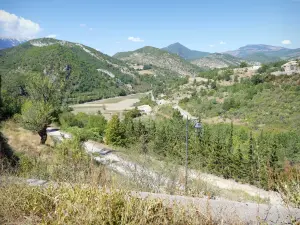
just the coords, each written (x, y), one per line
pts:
(118, 25)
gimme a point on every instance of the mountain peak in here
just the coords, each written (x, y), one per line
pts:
(177, 44)
(184, 52)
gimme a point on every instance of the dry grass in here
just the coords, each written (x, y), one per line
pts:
(22, 204)
(66, 162)
(24, 141)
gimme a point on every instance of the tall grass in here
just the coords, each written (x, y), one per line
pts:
(22, 204)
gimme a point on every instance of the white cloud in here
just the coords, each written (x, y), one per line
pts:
(51, 36)
(85, 26)
(222, 43)
(12, 26)
(135, 39)
(211, 46)
(286, 42)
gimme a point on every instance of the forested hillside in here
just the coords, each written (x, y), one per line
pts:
(92, 74)
(263, 100)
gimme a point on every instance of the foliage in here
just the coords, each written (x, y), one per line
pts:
(271, 67)
(73, 62)
(290, 185)
(26, 204)
(146, 101)
(164, 82)
(243, 65)
(147, 67)
(114, 133)
(36, 115)
(159, 58)
(217, 74)
(84, 126)
(133, 113)
(262, 57)
(265, 100)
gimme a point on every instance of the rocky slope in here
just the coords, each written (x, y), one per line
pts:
(217, 60)
(159, 58)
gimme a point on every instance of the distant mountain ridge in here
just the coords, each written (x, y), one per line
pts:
(185, 52)
(264, 53)
(9, 42)
(250, 49)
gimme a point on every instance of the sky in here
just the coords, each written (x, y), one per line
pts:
(116, 25)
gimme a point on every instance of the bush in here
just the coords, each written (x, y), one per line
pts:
(84, 134)
(133, 113)
(68, 119)
(230, 103)
(147, 67)
(84, 126)
(243, 65)
(257, 79)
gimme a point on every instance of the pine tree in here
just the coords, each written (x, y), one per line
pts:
(129, 130)
(115, 134)
(251, 160)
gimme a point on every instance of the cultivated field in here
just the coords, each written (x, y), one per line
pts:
(110, 106)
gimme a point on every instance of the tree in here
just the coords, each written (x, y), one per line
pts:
(46, 96)
(214, 85)
(176, 115)
(114, 133)
(251, 160)
(35, 116)
(243, 65)
(257, 79)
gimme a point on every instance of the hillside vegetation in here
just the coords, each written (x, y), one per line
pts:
(260, 147)
(159, 58)
(217, 60)
(92, 75)
(263, 100)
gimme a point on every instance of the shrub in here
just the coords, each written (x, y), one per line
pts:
(84, 134)
(68, 119)
(243, 65)
(147, 67)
